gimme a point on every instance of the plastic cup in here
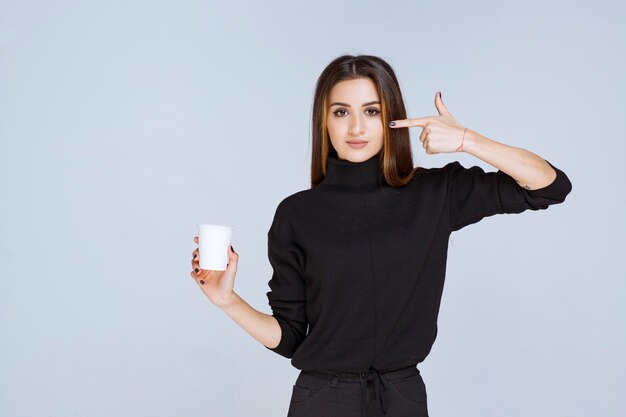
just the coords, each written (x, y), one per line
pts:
(213, 242)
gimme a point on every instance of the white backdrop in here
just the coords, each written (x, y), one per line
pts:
(123, 124)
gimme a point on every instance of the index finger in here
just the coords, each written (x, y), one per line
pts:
(411, 122)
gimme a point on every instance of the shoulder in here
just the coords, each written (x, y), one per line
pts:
(436, 179)
(294, 199)
(450, 170)
(284, 226)
(290, 204)
(436, 173)
(450, 166)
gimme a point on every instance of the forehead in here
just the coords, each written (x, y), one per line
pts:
(357, 91)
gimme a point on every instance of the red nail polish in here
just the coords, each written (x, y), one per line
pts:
(201, 282)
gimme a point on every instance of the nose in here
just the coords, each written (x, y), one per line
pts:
(357, 125)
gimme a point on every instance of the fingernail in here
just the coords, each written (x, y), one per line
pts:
(201, 282)
(440, 94)
(194, 255)
(197, 270)
(392, 123)
(231, 248)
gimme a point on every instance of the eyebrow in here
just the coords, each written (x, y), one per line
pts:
(347, 105)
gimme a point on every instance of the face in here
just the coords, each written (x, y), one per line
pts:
(354, 115)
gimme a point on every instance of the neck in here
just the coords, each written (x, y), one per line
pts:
(346, 175)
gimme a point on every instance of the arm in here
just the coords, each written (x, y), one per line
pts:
(285, 329)
(287, 295)
(528, 169)
(524, 181)
(263, 327)
(474, 194)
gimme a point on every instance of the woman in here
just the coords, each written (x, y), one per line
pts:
(359, 258)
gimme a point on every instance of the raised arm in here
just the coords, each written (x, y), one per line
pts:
(524, 181)
(444, 134)
(529, 170)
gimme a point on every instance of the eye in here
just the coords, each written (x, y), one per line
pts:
(373, 111)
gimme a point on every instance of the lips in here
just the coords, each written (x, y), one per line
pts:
(356, 141)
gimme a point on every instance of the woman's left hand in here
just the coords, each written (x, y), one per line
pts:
(440, 134)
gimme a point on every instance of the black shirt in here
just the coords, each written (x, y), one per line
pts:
(362, 264)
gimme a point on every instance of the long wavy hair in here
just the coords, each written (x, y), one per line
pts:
(395, 158)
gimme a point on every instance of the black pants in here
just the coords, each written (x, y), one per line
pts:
(397, 393)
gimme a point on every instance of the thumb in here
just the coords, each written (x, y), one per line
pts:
(233, 256)
(441, 108)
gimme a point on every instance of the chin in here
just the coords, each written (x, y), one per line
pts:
(357, 155)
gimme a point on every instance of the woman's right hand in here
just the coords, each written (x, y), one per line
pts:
(216, 285)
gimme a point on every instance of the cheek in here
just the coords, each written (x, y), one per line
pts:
(337, 127)
(375, 128)
(336, 131)
(331, 124)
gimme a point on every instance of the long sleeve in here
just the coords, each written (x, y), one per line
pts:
(287, 296)
(474, 194)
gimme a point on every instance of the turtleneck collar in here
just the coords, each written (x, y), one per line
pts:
(353, 176)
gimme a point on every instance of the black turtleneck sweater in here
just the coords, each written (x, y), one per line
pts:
(362, 264)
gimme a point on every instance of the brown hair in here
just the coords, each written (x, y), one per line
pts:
(395, 158)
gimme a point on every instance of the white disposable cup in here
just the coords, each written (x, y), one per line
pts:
(213, 242)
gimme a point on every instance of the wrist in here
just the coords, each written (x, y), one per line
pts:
(471, 139)
(228, 300)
